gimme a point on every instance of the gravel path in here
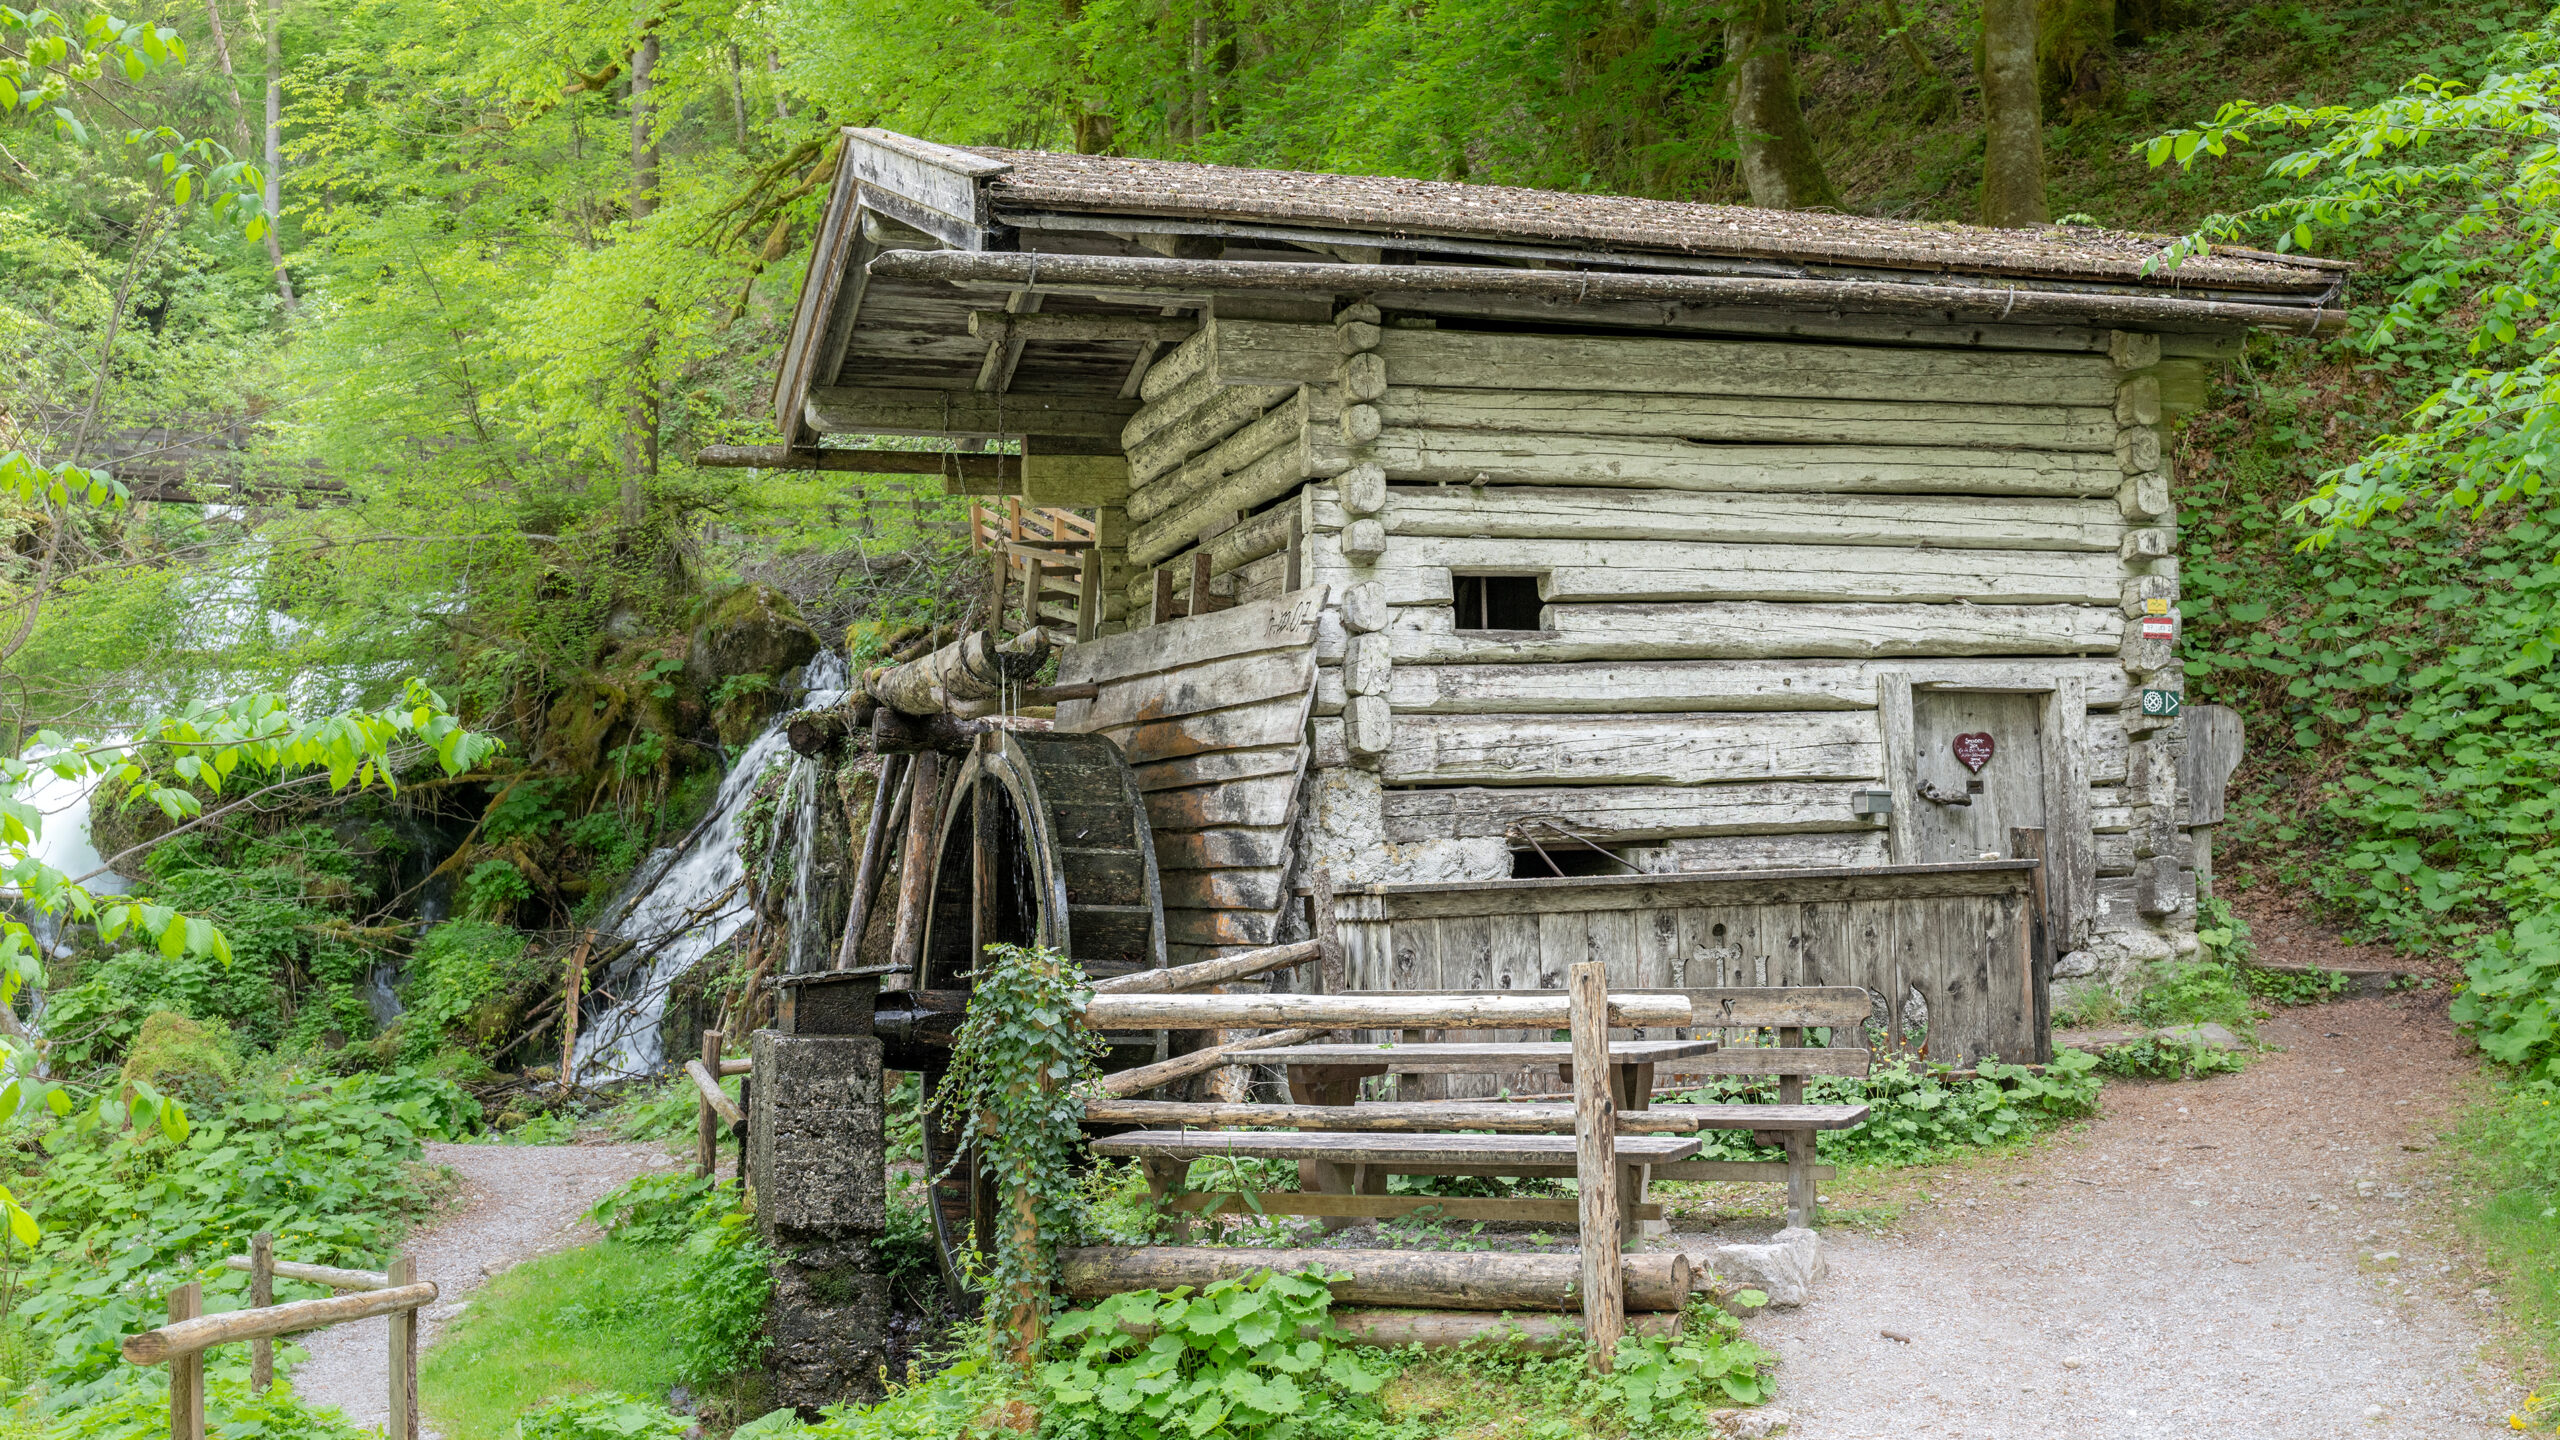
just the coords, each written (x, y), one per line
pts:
(2250, 1257)
(518, 1201)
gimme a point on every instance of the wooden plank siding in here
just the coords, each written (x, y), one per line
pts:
(1211, 714)
(1740, 545)
(1956, 935)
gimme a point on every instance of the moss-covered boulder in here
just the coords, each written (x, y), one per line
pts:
(748, 639)
(178, 1056)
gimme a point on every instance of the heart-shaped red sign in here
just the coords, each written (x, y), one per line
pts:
(1974, 751)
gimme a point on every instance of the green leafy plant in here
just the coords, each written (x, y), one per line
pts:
(602, 1417)
(1709, 1364)
(1011, 1095)
(1239, 1357)
(2153, 1057)
(1917, 1113)
(2196, 992)
(718, 1298)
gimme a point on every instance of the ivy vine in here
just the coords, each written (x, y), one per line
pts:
(1014, 1094)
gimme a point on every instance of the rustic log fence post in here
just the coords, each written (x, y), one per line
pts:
(706, 1124)
(262, 1293)
(401, 1423)
(186, 1372)
(1595, 1133)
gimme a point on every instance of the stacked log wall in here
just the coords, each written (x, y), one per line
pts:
(1746, 546)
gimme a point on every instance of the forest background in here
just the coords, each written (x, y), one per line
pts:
(398, 323)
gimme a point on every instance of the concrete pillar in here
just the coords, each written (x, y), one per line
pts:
(816, 1135)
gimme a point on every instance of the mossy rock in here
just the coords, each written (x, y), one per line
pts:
(178, 1056)
(752, 630)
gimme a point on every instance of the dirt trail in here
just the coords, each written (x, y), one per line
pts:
(2200, 1261)
(519, 1201)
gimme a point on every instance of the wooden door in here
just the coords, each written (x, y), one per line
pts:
(1978, 771)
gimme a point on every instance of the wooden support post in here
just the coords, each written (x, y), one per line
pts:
(1089, 596)
(915, 875)
(2036, 977)
(1800, 1191)
(746, 1097)
(1163, 610)
(1293, 577)
(1200, 582)
(1330, 978)
(706, 1122)
(402, 1421)
(262, 1293)
(885, 799)
(570, 994)
(1595, 1133)
(186, 1372)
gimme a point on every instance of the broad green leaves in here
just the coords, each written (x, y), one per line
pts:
(2470, 178)
(1241, 1358)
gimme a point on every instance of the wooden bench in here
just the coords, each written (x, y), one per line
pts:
(1736, 1017)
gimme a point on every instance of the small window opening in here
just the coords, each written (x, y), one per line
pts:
(1569, 858)
(1498, 602)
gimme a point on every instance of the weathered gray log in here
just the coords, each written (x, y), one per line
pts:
(1435, 1117)
(1460, 1329)
(1143, 1078)
(1752, 419)
(894, 733)
(1619, 687)
(1580, 569)
(1632, 749)
(1377, 1011)
(1595, 1162)
(1208, 972)
(1756, 630)
(969, 671)
(996, 326)
(1639, 462)
(974, 466)
(712, 1094)
(1221, 414)
(882, 411)
(1281, 424)
(820, 732)
(916, 862)
(1553, 512)
(1386, 285)
(329, 1275)
(155, 1347)
(886, 797)
(1421, 1279)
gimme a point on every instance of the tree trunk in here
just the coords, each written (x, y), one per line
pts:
(2012, 115)
(245, 144)
(644, 146)
(1778, 160)
(2075, 53)
(738, 96)
(274, 197)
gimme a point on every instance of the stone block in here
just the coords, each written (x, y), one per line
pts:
(814, 1137)
(826, 1323)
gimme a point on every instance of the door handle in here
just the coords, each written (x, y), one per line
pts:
(1934, 795)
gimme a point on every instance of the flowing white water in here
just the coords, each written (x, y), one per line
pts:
(685, 903)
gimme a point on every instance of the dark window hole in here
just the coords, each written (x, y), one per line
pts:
(1498, 602)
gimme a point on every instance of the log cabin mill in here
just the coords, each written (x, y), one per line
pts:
(1480, 582)
(1629, 534)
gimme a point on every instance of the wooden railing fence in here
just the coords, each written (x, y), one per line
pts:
(1046, 558)
(180, 1344)
(713, 1107)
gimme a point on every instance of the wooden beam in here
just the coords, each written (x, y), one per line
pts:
(1373, 1011)
(949, 463)
(1595, 1161)
(329, 1275)
(881, 411)
(1209, 972)
(1387, 1207)
(154, 1347)
(1144, 1078)
(1424, 1279)
(1146, 329)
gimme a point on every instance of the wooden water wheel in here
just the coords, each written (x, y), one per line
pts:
(1044, 841)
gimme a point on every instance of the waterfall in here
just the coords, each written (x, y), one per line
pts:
(688, 899)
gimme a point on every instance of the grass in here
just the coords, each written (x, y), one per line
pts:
(581, 1320)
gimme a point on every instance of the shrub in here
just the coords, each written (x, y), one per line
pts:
(182, 1057)
(458, 965)
(719, 1295)
(2165, 1058)
(1916, 1113)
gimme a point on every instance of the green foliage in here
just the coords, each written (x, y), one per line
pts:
(1011, 1095)
(430, 1106)
(181, 1057)
(124, 1217)
(494, 888)
(716, 1300)
(584, 1321)
(1707, 1367)
(910, 1256)
(1917, 1114)
(2154, 1057)
(457, 965)
(2193, 992)
(603, 1417)
(1236, 1359)
(139, 1410)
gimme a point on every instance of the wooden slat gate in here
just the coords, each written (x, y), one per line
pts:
(1962, 937)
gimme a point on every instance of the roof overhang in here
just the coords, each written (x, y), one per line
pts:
(1008, 295)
